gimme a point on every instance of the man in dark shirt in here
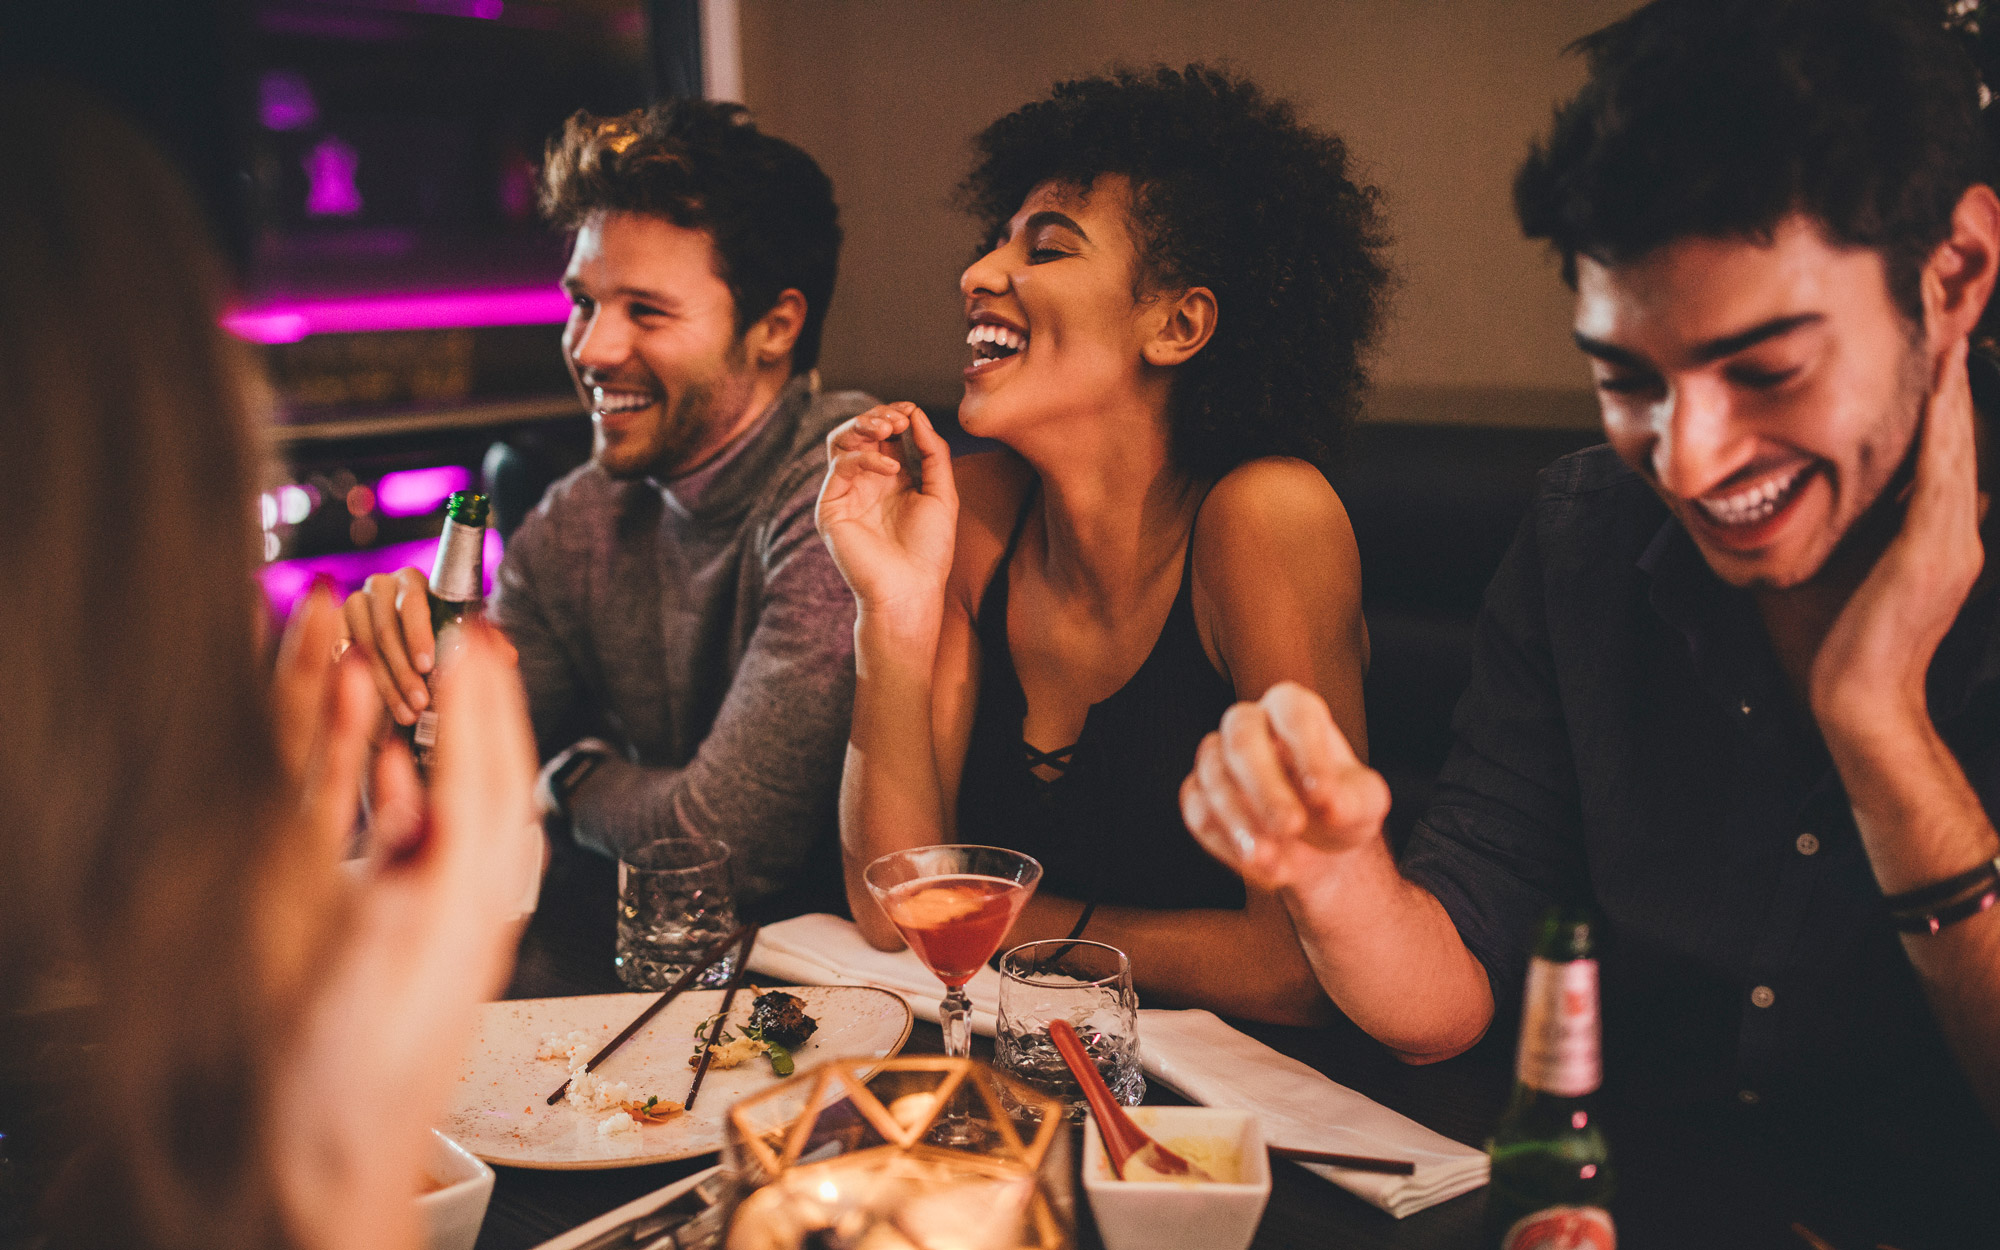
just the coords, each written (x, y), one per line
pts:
(1738, 679)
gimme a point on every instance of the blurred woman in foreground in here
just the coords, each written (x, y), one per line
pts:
(272, 1037)
(1166, 324)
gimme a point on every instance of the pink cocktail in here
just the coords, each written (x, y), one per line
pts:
(953, 905)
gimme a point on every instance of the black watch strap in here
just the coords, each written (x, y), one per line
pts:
(566, 778)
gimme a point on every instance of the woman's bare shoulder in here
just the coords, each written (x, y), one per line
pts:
(1279, 505)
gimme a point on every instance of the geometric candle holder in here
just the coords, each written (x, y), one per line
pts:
(915, 1153)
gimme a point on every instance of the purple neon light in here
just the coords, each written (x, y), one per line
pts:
(285, 101)
(289, 321)
(287, 581)
(414, 492)
(330, 189)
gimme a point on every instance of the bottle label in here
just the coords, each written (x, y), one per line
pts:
(1560, 1051)
(1562, 1228)
(457, 576)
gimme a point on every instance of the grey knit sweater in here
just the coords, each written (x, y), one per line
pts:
(703, 631)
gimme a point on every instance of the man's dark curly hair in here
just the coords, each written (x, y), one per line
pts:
(1231, 192)
(1719, 118)
(704, 165)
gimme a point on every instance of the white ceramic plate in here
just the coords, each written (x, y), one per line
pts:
(500, 1111)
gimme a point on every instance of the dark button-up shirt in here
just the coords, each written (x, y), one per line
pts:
(1629, 737)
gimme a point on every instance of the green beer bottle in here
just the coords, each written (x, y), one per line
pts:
(1552, 1176)
(457, 593)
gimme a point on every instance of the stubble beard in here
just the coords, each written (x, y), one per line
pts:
(1897, 441)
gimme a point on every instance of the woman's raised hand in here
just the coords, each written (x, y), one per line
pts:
(890, 534)
(426, 932)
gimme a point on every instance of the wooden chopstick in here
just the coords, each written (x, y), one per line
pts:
(721, 1017)
(1357, 1163)
(708, 958)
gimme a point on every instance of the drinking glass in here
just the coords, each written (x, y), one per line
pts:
(674, 902)
(953, 905)
(1088, 984)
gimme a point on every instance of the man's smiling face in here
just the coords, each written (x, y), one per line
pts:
(652, 345)
(1768, 390)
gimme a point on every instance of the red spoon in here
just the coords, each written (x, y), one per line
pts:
(1124, 1141)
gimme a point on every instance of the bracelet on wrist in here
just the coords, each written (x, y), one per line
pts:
(1932, 908)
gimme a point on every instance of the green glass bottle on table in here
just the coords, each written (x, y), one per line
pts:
(457, 595)
(1552, 1175)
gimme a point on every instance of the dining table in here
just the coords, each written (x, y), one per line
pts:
(1675, 1188)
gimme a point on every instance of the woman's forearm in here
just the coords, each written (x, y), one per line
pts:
(890, 796)
(1245, 964)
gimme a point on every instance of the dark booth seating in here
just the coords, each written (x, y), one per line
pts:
(1434, 509)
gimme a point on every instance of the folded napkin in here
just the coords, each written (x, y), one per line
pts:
(1210, 1063)
(1193, 1052)
(825, 950)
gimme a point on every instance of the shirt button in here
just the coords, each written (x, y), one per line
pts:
(1808, 844)
(1748, 1097)
(1762, 996)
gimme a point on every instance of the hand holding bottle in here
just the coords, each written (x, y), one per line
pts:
(404, 626)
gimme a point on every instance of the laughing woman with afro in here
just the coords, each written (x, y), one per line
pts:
(1167, 320)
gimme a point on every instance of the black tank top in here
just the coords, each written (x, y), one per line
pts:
(1108, 829)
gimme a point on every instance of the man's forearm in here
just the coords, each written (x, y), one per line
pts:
(1921, 822)
(1389, 956)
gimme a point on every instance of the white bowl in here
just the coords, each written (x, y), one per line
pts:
(1167, 1215)
(452, 1214)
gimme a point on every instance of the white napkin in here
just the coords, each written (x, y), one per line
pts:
(1193, 1052)
(1210, 1063)
(825, 950)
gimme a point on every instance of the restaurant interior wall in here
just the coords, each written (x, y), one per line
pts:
(1437, 99)
(1478, 384)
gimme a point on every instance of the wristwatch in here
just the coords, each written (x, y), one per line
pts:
(563, 774)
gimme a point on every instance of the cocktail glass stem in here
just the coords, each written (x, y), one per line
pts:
(955, 1127)
(955, 1020)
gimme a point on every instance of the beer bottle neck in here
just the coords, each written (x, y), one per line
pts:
(458, 576)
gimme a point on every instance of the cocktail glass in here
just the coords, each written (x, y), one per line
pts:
(953, 905)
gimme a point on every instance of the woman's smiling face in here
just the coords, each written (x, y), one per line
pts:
(1056, 313)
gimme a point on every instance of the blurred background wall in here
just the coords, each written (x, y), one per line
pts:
(1437, 99)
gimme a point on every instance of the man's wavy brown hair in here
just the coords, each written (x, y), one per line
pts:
(703, 165)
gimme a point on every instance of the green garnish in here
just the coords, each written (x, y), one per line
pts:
(781, 1059)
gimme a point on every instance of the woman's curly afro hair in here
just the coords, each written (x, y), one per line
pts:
(1232, 192)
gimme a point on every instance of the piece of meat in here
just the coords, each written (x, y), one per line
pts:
(781, 1018)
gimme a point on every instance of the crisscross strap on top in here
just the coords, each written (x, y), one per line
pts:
(1109, 827)
(1038, 758)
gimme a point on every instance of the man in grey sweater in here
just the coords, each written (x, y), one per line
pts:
(685, 641)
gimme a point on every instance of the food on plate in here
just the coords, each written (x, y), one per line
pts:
(591, 1094)
(778, 1025)
(730, 1053)
(780, 1019)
